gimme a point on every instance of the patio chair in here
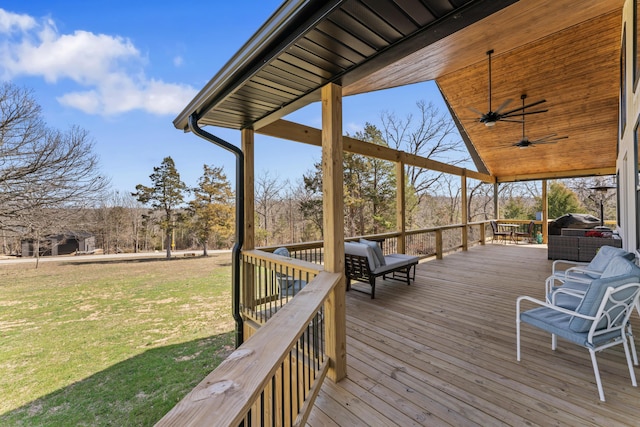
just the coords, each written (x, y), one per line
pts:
(599, 321)
(497, 233)
(289, 286)
(528, 234)
(586, 272)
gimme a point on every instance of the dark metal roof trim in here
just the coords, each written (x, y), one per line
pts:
(307, 44)
(265, 44)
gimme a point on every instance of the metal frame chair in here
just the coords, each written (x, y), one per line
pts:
(528, 234)
(600, 320)
(497, 233)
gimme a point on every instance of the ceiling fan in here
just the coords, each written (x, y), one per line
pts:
(526, 142)
(490, 118)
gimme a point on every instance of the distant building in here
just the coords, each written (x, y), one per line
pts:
(60, 244)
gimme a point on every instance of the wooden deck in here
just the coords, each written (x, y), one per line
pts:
(443, 352)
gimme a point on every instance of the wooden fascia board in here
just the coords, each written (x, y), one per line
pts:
(308, 135)
(558, 175)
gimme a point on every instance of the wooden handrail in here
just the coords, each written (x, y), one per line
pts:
(226, 395)
(285, 262)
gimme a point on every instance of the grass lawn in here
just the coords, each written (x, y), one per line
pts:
(109, 342)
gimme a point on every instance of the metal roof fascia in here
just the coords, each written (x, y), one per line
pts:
(252, 56)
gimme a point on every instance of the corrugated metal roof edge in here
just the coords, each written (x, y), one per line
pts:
(292, 19)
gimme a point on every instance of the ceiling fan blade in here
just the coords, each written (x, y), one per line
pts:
(522, 113)
(478, 112)
(503, 105)
(510, 120)
(533, 104)
(549, 139)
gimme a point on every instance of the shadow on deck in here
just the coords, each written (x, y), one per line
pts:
(442, 352)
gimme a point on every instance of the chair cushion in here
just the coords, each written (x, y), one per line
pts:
(555, 322)
(619, 266)
(282, 252)
(574, 286)
(568, 301)
(359, 249)
(604, 255)
(593, 298)
(376, 250)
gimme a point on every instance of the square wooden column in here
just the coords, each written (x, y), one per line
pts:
(545, 212)
(333, 225)
(465, 213)
(249, 189)
(401, 215)
(248, 285)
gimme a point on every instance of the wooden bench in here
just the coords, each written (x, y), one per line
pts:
(362, 264)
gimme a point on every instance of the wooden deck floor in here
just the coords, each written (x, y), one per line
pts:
(442, 352)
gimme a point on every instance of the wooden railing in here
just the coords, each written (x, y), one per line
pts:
(269, 282)
(273, 377)
(426, 242)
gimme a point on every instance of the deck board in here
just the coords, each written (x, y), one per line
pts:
(442, 352)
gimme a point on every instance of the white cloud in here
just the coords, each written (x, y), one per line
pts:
(109, 70)
(178, 61)
(12, 21)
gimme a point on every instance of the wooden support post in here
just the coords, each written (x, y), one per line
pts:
(248, 285)
(496, 204)
(333, 228)
(439, 243)
(401, 216)
(483, 234)
(465, 214)
(545, 212)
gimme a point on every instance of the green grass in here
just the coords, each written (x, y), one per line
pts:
(109, 342)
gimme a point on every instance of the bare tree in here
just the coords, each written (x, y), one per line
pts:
(42, 169)
(432, 135)
(268, 190)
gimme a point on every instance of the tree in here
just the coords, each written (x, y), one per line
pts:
(42, 170)
(380, 183)
(166, 194)
(267, 193)
(369, 190)
(433, 135)
(561, 200)
(212, 207)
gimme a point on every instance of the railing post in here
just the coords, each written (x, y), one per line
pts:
(483, 233)
(333, 228)
(439, 243)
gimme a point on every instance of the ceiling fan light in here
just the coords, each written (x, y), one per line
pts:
(489, 124)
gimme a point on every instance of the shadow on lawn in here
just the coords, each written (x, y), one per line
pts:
(135, 392)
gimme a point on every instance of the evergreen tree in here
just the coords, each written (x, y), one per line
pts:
(369, 190)
(165, 194)
(212, 208)
(562, 200)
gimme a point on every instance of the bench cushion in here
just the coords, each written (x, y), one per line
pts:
(360, 249)
(408, 259)
(376, 250)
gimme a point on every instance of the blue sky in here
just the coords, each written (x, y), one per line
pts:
(123, 70)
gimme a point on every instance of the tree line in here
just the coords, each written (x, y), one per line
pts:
(50, 182)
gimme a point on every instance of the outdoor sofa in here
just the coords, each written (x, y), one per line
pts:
(364, 262)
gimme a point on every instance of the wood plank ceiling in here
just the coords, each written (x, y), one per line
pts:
(557, 50)
(549, 50)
